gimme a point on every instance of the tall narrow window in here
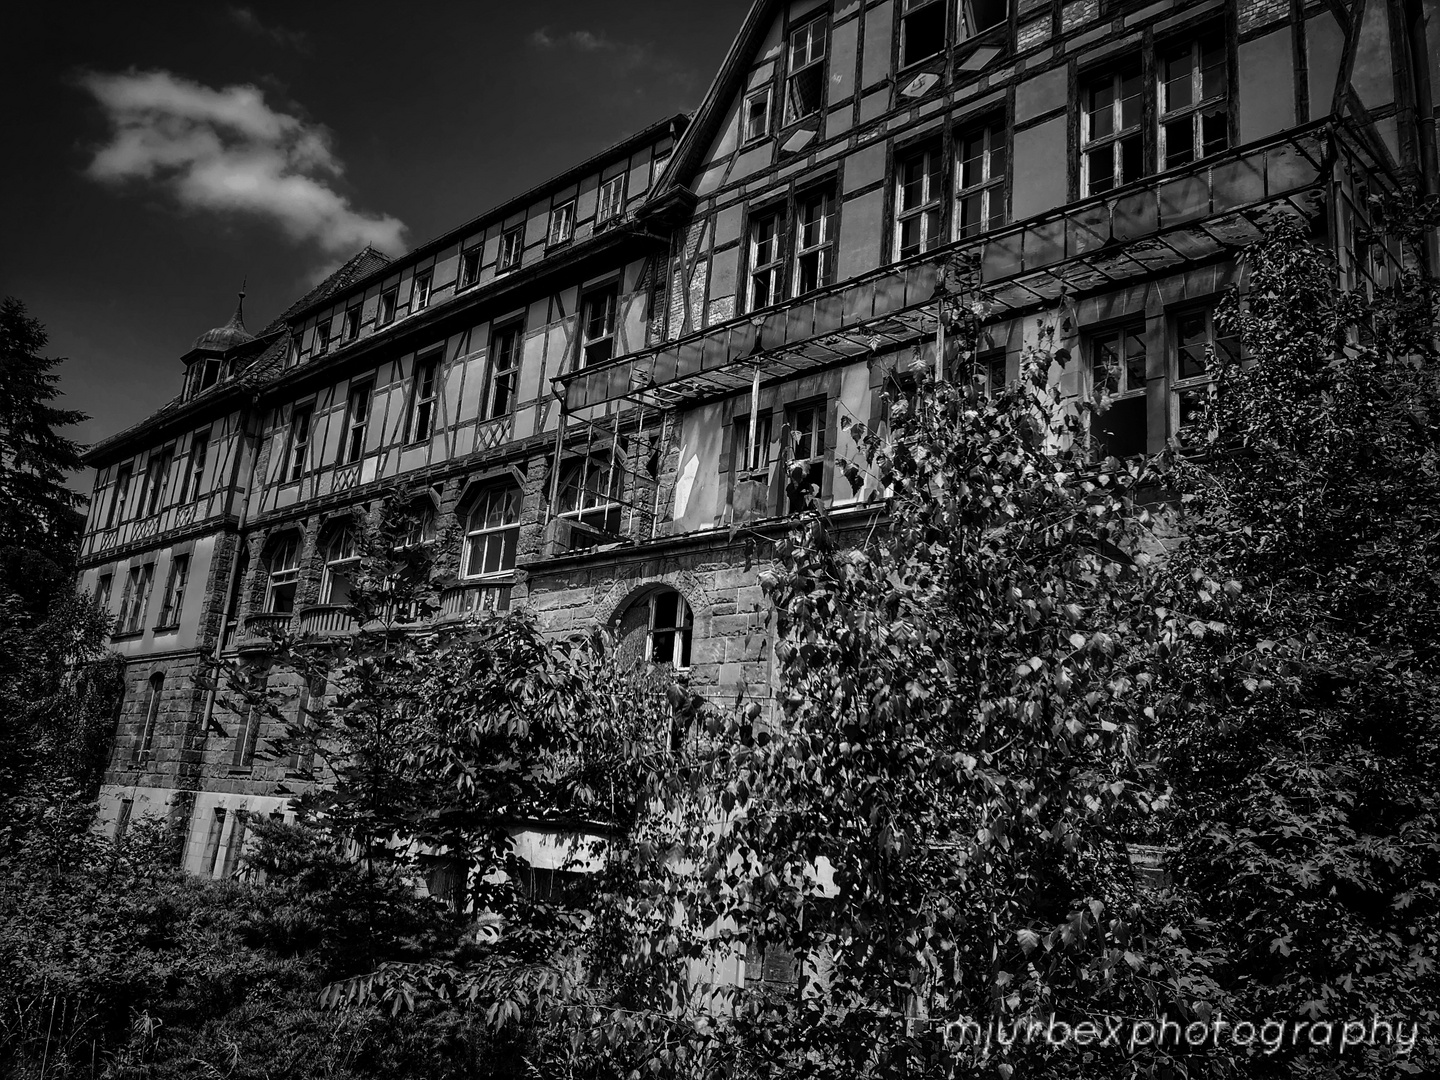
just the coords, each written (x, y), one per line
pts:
(807, 450)
(424, 390)
(283, 575)
(357, 419)
(978, 16)
(351, 324)
(1112, 136)
(611, 200)
(1117, 364)
(103, 588)
(342, 563)
(121, 496)
(238, 833)
(469, 267)
(919, 203)
(512, 249)
(298, 454)
(1194, 107)
(758, 107)
(385, 314)
(980, 181)
(922, 30)
(174, 596)
(122, 820)
(322, 336)
(492, 532)
(210, 859)
(133, 604)
(805, 79)
(598, 328)
(671, 628)
(765, 257)
(420, 291)
(192, 485)
(157, 479)
(814, 241)
(591, 492)
(247, 735)
(146, 743)
(1195, 334)
(308, 710)
(562, 224)
(750, 458)
(504, 366)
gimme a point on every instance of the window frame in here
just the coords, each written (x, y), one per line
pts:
(421, 286)
(469, 273)
(135, 602)
(682, 632)
(809, 27)
(357, 420)
(816, 460)
(910, 9)
(935, 195)
(1115, 72)
(281, 574)
(562, 220)
(341, 556)
(387, 306)
(120, 494)
(610, 209)
(610, 292)
(157, 481)
(826, 248)
(774, 268)
(173, 598)
(423, 405)
(506, 532)
(749, 137)
(512, 249)
(1178, 385)
(145, 745)
(990, 187)
(503, 379)
(350, 324)
(1194, 112)
(298, 439)
(591, 502)
(247, 735)
(322, 336)
(193, 479)
(749, 462)
(1115, 338)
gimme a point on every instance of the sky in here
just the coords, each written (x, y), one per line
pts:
(159, 154)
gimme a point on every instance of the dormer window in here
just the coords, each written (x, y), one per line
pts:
(352, 324)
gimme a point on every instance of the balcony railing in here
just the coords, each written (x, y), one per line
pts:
(258, 628)
(326, 620)
(474, 597)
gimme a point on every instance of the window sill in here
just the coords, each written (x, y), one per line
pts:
(166, 628)
(127, 635)
(559, 245)
(240, 770)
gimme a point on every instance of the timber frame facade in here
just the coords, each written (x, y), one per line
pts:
(585, 390)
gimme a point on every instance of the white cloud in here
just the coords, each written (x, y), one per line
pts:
(227, 151)
(246, 19)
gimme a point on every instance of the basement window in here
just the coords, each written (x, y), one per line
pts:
(805, 83)
(922, 30)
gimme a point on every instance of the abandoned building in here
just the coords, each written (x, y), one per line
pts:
(583, 389)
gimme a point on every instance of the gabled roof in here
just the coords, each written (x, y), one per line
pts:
(359, 265)
(707, 120)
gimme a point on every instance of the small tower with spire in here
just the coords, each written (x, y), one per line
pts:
(210, 359)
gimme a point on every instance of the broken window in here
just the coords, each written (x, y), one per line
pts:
(282, 574)
(512, 247)
(157, 479)
(562, 224)
(978, 16)
(342, 562)
(121, 497)
(807, 455)
(1117, 368)
(207, 373)
(922, 30)
(504, 364)
(611, 200)
(388, 299)
(424, 391)
(597, 338)
(322, 336)
(805, 83)
(1194, 101)
(351, 324)
(991, 366)
(671, 627)
(192, 483)
(1195, 335)
(300, 418)
(1112, 134)
(814, 241)
(980, 180)
(470, 267)
(420, 291)
(766, 261)
(751, 458)
(357, 419)
(492, 532)
(757, 114)
(591, 493)
(174, 595)
(919, 202)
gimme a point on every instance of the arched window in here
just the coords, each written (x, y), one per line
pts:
(591, 492)
(671, 627)
(492, 530)
(342, 562)
(152, 716)
(282, 574)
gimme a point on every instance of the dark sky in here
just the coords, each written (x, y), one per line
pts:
(158, 153)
